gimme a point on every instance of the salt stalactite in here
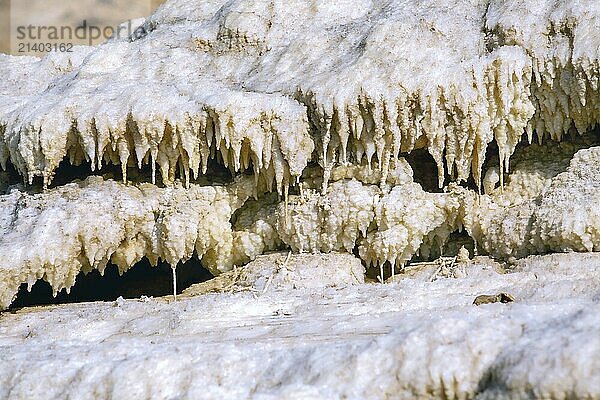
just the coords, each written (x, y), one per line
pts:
(548, 204)
(73, 229)
(387, 227)
(455, 127)
(185, 142)
(409, 221)
(224, 226)
(412, 78)
(174, 271)
(331, 222)
(275, 87)
(565, 54)
(255, 229)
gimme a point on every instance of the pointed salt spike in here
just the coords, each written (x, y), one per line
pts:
(123, 159)
(153, 162)
(219, 140)
(92, 161)
(209, 133)
(501, 171)
(174, 269)
(286, 209)
(224, 156)
(256, 175)
(381, 272)
(195, 171)
(529, 130)
(99, 152)
(237, 156)
(124, 172)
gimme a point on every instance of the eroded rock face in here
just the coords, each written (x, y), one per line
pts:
(324, 98)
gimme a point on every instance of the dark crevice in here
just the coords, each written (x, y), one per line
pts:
(216, 174)
(67, 173)
(141, 280)
(373, 272)
(253, 208)
(457, 240)
(492, 157)
(425, 170)
(10, 178)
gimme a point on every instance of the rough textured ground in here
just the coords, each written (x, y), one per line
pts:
(412, 339)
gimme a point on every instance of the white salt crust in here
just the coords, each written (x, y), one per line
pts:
(263, 83)
(405, 340)
(276, 88)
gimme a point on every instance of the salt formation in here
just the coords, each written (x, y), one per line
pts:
(387, 224)
(286, 271)
(412, 339)
(320, 103)
(73, 228)
(250, 81)
(316, 109)
(539, 212)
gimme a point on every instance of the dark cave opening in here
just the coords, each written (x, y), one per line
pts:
(141, 280)
(456, 240)
(9, 177)
(425, 170)
(216, 173)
